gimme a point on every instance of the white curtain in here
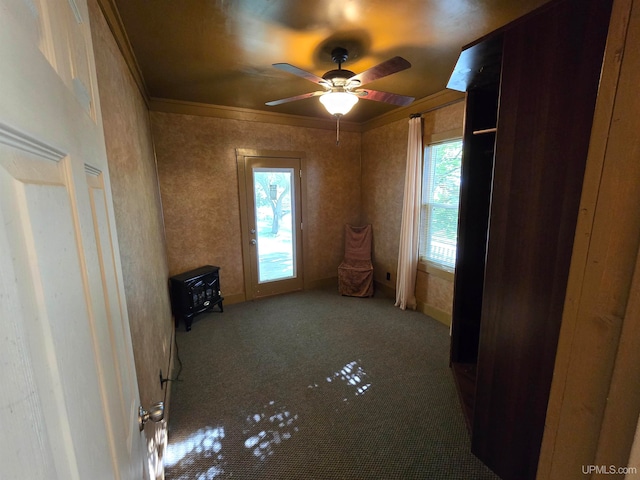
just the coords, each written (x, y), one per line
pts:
(409, 229)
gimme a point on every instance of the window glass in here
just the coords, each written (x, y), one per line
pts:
(440, 198)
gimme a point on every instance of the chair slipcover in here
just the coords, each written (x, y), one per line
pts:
(355, 273)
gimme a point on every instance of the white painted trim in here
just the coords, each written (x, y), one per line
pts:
(26, 143)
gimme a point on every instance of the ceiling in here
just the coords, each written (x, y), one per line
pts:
(220, 52)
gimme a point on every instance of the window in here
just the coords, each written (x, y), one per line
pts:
(440, 197)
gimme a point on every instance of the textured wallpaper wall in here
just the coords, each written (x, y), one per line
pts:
(137, 210)
(198, 175)
(361, 181)
(384, 156)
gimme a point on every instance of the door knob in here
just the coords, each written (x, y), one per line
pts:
(155, 413)
(253, 241)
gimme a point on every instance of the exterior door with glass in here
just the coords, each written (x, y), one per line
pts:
(272, 226)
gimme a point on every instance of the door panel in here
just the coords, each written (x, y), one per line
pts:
(119, 383)
(38, 330)
(71, 401)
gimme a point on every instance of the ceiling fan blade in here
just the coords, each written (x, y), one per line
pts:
(293, 99)
(386, 97)
(287, 67)
(393, 65)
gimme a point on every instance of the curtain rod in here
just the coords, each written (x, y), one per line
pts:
(419, 114)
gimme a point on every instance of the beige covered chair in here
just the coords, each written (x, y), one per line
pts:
(355, 273)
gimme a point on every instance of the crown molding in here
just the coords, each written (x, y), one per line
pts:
(167, 105)
(424, 105)
(439, 99)
(112, 16)
(110, 11)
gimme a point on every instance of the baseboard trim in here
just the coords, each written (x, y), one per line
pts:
(234, 298)
(436, 314)
(380, 288)
(322, 283)
(311, 285)
(385, 290)
(170, 372)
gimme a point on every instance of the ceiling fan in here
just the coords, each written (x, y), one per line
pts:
(342, 87)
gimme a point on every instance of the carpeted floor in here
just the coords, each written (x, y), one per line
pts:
(312, 385)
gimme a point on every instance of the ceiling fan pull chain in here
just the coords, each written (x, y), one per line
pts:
(337, 130)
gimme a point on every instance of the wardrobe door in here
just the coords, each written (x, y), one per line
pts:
(550, 71)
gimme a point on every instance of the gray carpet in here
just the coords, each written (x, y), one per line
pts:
(312, 385)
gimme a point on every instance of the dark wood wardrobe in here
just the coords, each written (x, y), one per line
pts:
(530, 90)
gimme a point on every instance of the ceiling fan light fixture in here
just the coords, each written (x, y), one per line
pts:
(338, 103)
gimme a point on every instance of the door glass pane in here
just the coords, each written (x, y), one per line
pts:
(275, 235)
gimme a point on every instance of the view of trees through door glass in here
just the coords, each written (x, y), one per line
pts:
(273, 189)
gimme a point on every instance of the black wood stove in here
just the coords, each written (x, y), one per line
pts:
(194, 292)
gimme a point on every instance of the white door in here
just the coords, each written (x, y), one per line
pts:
(69, 397)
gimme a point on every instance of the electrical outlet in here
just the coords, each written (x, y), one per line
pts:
(388, 275)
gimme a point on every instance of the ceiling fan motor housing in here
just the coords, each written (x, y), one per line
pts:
(338, 77)
(339, 55)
